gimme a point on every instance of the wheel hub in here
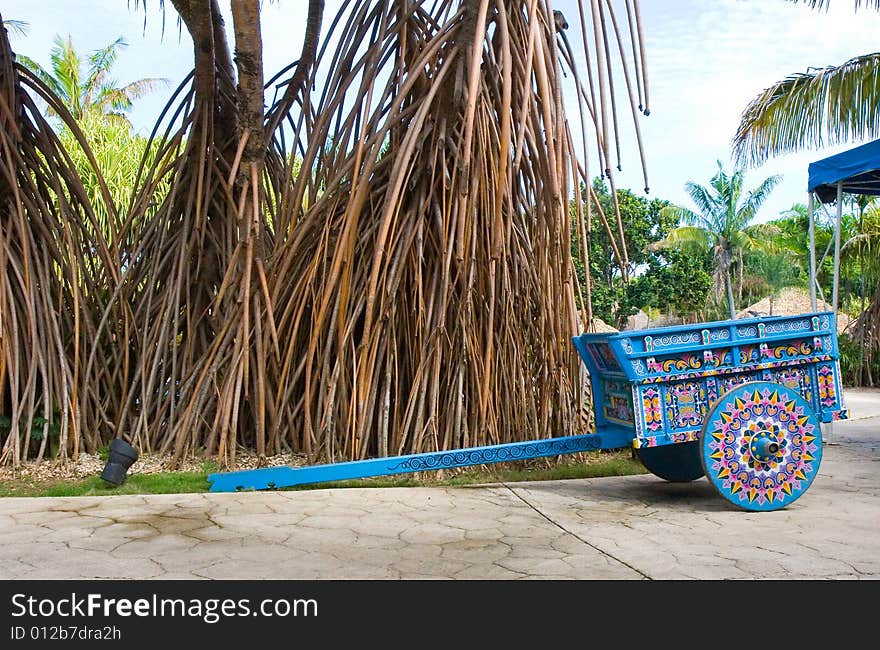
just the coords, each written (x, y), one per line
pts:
(764, 446)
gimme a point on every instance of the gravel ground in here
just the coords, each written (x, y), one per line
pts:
(88, 465)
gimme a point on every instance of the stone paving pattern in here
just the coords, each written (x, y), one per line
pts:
(622, 528)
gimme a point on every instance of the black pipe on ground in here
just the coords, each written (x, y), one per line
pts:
(122, 456)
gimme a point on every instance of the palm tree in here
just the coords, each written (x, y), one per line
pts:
(721, 221)
(822, 106)
(84, 84)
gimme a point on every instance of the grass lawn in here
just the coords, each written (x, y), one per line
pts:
(592, 465)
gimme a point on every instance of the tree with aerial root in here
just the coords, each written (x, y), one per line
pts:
(58, 272)
(378, 263)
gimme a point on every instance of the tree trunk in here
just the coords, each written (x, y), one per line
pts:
(249, 62)
(730, 304)
(739, 275)
(252, 145)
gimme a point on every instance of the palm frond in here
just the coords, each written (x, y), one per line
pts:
(824, 4)
(66, 68)
(100, 63)
(861, 240)
(142, 87)
(92, 88)
(766, 231)
(105, 57)
(692, 238)
(16, 27)
(706, 201)
(43, 75)
(820, 107)
(732, 194)
(763, 236)
(686, 217)
(755, 200)
(110, 98)
(865, 241)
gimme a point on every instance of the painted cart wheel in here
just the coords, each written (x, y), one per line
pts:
(677, 463)
(761, 446)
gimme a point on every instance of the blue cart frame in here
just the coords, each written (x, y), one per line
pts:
(739, 401)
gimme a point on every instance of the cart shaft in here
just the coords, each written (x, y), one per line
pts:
(285, 476)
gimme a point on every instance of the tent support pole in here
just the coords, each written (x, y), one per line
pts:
(834, 295)
(812, 252)
(829, 427)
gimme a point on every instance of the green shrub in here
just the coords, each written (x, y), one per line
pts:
(858, 366)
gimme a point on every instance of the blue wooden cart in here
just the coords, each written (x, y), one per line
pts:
(738, 401)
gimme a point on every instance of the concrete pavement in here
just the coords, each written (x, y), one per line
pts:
(862, 402)
(626, 528)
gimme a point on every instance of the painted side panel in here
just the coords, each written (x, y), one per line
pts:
(677, 373)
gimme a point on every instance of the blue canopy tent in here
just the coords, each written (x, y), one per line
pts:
(855, 171)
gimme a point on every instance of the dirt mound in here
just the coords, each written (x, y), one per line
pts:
(791, 301)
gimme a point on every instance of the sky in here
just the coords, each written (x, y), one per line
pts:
(706, 60)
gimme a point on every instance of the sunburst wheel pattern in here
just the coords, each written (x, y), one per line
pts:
(761, 446)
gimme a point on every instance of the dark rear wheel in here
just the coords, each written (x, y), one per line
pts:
(677, 463)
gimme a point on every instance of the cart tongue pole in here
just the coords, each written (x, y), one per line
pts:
(279, 477)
